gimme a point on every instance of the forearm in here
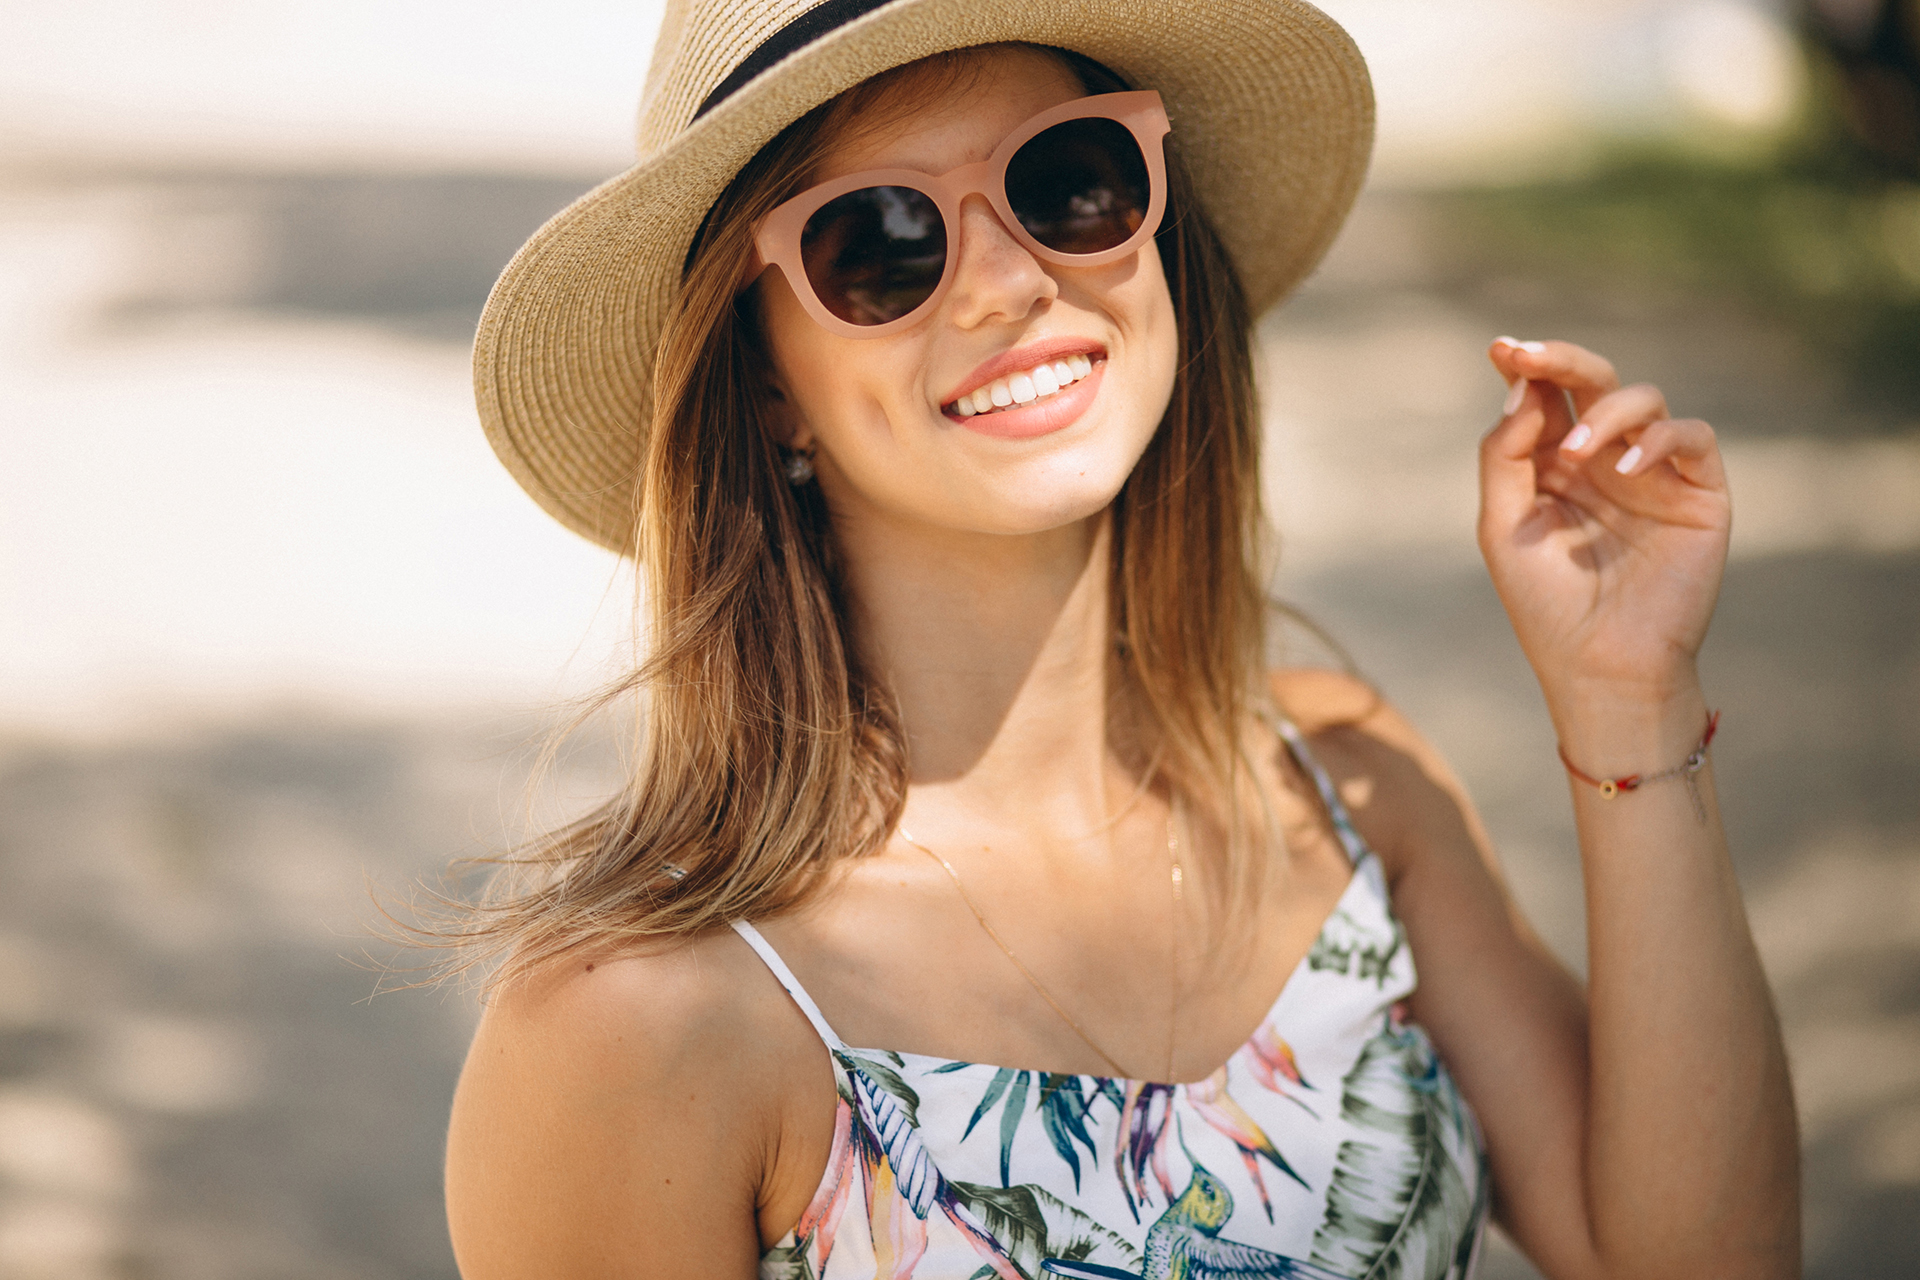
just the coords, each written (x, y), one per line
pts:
(1692, 1153)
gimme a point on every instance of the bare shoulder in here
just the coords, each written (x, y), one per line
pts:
(621, 1112)
(1403, 796)
(630, 1012)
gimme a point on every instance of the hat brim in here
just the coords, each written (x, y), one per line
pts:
(1269, 101)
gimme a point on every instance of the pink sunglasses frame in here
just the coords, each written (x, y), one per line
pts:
(776, 241)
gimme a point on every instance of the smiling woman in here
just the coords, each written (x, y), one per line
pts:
(912, 366)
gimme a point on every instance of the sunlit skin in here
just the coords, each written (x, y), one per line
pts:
(671, 1114)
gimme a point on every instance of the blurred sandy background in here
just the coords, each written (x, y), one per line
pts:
(274, 625)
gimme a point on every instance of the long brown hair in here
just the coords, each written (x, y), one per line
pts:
(767, 751)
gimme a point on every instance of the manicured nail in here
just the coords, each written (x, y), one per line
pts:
(1532, 348)
(1516, 396)
(1504, 340)
(1577, 438)
(1628, 461)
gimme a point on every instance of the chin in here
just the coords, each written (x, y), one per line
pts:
(1052, 501)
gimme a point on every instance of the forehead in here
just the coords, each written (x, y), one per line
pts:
(972, 107)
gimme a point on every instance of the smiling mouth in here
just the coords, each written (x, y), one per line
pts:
(1018, 390)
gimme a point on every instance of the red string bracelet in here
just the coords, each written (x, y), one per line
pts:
(1611, 787)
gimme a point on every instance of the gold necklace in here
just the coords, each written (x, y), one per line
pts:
(1177, 880)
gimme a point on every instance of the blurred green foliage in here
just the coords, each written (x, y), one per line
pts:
(1815, 234)
(1820, 228)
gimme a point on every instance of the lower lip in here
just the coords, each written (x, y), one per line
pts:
(1042, 417)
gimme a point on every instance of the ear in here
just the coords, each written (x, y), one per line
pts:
(789, 426)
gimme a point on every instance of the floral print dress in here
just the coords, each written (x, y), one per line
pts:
(1331, 1144)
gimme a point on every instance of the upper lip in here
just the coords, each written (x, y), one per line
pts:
(1021, 359)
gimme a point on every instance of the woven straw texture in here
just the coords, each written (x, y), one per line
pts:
(1269, 101)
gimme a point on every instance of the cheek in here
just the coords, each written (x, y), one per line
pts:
(1164, 322)
(832, 384)
(1153, 333)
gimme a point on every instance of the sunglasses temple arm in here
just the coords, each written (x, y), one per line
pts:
(756, 267)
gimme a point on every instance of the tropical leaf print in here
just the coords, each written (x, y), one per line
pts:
(1398, 1205)
(1345, 945)
(996, 1261)
(1033, 1225)
(887, 1077)
(890, 1138)
(787, 1262)
(1064, 1104)
(1011, 1216)
(1010, 1117)
(990, 1095)
(903, 1185)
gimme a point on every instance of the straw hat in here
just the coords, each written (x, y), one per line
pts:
(1269, 100)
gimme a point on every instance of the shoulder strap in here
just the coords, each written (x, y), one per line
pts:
(1343, 826)
(784, 975)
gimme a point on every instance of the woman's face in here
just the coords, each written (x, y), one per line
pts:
(887, 450)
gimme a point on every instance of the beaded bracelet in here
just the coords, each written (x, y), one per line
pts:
(1686, 769)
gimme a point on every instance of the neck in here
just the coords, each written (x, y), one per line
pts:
(997, 649)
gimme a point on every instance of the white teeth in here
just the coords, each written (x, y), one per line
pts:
(1024, 388)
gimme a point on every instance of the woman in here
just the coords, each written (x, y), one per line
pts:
(966, 838)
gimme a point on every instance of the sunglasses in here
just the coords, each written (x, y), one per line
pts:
(1079, 185)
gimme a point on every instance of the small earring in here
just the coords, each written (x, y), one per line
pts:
(799, 467)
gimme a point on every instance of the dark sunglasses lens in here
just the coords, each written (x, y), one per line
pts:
(875, 254)
(1081, 186)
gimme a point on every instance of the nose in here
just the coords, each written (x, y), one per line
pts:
(994, 277)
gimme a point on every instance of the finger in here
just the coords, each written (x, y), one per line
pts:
(1509, 479)
(1687, 444)
(1501, 351)
(1611, 417)
(1552, 399)
(1583, 374)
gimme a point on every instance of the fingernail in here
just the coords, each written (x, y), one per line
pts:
(1532, 348)
(1577, 438)
(1516, 396)
(1503, 339)
(1628, 461)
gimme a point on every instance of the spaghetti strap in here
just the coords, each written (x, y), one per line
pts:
(1343, 827)
(784, 975)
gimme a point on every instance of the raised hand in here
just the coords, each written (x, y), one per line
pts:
(1604, 523)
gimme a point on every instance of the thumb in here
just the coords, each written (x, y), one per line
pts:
(1509, 481)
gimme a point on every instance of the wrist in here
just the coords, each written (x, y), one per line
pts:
(1610, 730)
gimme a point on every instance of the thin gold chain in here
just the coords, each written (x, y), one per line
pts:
(1173, 1001)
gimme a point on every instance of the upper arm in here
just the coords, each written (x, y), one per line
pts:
(1507, 1017)
(615, 1118)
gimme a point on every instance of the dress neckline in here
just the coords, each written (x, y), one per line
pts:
(1359, 855)
(929, 1063)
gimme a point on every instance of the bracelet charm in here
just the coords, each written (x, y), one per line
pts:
(1610, 788)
